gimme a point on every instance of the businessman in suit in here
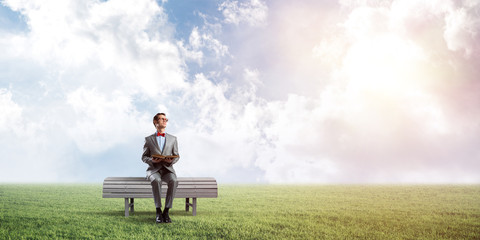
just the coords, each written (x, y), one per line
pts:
(159, 170)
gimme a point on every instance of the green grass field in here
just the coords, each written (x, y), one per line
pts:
(248, 212)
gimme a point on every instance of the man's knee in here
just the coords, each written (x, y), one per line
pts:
(173, 182)
(155, 179)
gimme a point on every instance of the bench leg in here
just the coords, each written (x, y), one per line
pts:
(132, 206)
(126, 207)
(129, 205)
(194, 207)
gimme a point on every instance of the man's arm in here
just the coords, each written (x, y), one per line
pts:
(171, 161)
(146, 156)
(175, 152)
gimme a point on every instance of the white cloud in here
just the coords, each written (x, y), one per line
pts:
(364, 21)
(199, 40)
(113, 38)
(253, 13)
(222, 135)
(102, 122)
(11, 112)
(292, 144)
(457, 20)
(97, 61)
(462, 31)
(189, 54)
(383, 115)
(27, 141)
(246, 131)
(203, 44)
(387, 92)
(363, 3)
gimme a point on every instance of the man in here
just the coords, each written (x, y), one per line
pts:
(161, 169)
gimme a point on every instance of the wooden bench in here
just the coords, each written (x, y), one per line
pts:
(139, 187)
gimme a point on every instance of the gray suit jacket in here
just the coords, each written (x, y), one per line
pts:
(151, 147)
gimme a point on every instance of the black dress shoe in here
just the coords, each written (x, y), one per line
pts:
(159, 219)
(166, 218)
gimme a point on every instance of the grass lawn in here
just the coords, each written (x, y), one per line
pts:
(30, 211)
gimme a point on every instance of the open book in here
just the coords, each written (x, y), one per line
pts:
(164, 157)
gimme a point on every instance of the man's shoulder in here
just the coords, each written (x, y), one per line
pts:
(150, 136)
(170, 135)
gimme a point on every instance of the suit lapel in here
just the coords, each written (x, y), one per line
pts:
(166, 140)
(155, 142)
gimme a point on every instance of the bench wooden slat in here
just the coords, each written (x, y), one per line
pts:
(150, 187)
(185, 179)
(144, 188)
(186, 191)
(163, 185)
(120, 190)
(151, 196)
(126, 189)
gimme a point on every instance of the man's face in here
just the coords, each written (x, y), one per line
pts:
(162, 121)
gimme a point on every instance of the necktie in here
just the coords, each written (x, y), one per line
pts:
(160, 134)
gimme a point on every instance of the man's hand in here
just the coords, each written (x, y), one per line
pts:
(167, 159)
(156, 160)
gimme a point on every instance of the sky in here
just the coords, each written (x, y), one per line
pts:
(283, 91)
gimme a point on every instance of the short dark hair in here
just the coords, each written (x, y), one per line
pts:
(155, 118)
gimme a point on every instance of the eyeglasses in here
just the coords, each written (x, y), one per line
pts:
(163, 119)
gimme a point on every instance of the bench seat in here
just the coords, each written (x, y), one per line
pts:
(130, 188)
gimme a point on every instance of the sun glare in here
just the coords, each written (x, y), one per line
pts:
(386, 74)
(385, 64)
